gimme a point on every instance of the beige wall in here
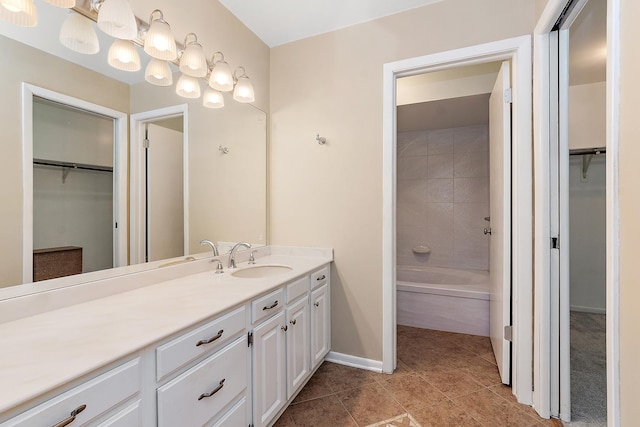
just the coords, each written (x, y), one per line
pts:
(587, 115)
(629, 193)
(25, 64)
(331, 195)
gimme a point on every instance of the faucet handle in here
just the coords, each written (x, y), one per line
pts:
(219, 269)
(252, 258)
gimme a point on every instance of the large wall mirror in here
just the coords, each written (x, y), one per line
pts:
(216, 171)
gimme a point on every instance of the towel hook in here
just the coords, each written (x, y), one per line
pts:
(321, 139)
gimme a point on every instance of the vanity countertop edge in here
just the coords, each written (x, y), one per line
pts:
(45, 351)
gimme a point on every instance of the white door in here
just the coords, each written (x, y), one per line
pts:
(298, 359)
(269, 369)
(165, 199)
(320, 325)
(500, 211)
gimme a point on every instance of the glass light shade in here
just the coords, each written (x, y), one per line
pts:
(158, 73)
(19, 12)
(212, 98)
(159, 42)
(67, 4)
(78, 34)
(244, 90)
(116, 18)
(124, 56)
(221, 78)
(188, 87)
(193, 62)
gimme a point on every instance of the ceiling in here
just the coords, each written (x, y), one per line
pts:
(444, 114)
(278, 22)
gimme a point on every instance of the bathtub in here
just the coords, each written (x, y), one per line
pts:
(443, 299)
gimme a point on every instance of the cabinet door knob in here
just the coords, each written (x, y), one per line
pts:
(292, 321)
(284, 328)
(72, 416)
(316, 304)
(214, 391)
(321, 277)
(210, 340)
(270, 306)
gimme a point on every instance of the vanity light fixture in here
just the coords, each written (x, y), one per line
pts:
(243, 91)
(158, 73)
(193, 62)
(116, 18)
(221, 78)
(19, 12)
(188, 86)
(124, 56)
(212, 98)
(66, 4)
(78, 34)
(159, 42)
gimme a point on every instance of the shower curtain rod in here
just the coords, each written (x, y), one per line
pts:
(70, 165)
(582, 151)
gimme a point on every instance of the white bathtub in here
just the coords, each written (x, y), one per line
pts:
(444, 299)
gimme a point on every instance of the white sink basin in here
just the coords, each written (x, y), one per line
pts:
(260, 271)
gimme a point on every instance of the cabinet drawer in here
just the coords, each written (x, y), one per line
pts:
(128, 417)
(182, 401)
(267, 305)
(297, 289)
(320, 277)
(236, 416)
(99, 394)
(190, 346)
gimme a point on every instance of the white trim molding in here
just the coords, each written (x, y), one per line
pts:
(518, 51)
(354, 361)
(120, 156)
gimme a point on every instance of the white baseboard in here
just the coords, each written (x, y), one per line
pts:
(589, 309)
(354, 361)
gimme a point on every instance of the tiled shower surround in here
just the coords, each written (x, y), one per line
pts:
(443, 197)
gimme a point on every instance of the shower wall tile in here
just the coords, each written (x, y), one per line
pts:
(413, 167)
(439, 190)
(440, 141)
(440, 166)
(470, 190)
(443, 196)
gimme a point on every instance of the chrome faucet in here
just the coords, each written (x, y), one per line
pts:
(214, 248)
(232, 253)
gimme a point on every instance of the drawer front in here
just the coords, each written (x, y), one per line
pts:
(236, 416)
(320, 277)
(182, 350)
(267, 305)
(184, 402)
(297, 289)
(99, 395)
(128, 417)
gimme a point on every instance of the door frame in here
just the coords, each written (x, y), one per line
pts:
(137, 189)
(119, 172)
(518, 51)
(542, 130)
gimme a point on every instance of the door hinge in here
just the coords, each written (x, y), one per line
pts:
(508, 333)
(249, 339)
(508, 96)
(145, 143)
(555, 242)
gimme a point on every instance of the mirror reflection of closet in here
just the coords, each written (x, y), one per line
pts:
(73, 191)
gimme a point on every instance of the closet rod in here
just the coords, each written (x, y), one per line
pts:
(582, 151)
(72, 165)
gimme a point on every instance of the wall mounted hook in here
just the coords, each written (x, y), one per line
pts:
(321, 139)
(223, 150)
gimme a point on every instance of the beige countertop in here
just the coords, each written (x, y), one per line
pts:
(45, 351)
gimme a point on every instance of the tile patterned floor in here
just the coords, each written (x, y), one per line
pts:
(443, 379)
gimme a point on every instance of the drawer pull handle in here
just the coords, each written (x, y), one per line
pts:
(271, 306)
(72, 416)
(214, 391)
(210, 340)
(293, 322)
(321, 278)
(284, 328)
(317, 303)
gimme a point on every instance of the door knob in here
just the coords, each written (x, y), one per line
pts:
(487, 231)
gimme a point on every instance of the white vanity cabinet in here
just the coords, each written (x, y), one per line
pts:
(320, 316)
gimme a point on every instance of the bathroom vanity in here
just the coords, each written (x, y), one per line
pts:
(174, 346)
